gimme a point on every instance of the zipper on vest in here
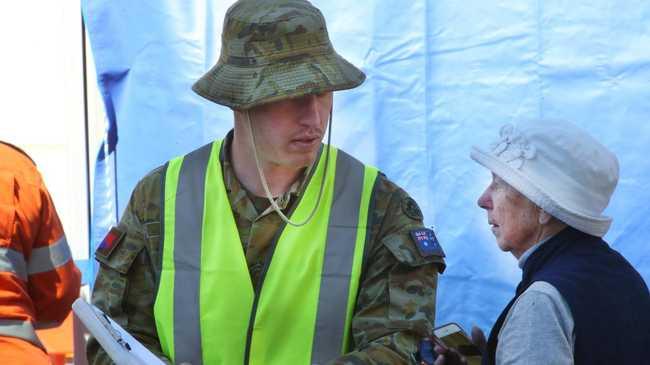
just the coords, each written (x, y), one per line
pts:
(258, 289)
(267, 263)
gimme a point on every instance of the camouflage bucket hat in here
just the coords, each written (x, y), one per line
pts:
(274, 50)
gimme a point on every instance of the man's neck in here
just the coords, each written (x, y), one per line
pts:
(279, 178)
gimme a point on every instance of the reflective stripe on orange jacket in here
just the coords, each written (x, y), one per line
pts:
(38, 279)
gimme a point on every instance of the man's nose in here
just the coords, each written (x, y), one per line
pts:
(311, 112)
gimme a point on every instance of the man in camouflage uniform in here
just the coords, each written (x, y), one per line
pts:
(277, 72)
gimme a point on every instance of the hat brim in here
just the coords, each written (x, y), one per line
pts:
(243, 87)
(593, 225)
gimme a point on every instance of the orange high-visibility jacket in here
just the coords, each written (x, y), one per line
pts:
(38, 278)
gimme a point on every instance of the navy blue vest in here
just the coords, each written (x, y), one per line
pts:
(609, 300)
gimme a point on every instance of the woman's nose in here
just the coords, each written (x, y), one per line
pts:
(484, 201)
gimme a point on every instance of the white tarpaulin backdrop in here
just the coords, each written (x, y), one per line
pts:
(442, 75)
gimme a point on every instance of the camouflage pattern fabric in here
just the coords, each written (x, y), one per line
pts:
(273, 50)
(397, 294)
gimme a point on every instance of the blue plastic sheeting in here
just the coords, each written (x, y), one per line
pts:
(442, 75)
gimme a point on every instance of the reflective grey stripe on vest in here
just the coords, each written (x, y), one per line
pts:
(337, 264)
(20, 329)
(187, 255)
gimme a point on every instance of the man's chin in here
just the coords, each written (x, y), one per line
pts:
(306, 159)
(296, 164)
(305, 163)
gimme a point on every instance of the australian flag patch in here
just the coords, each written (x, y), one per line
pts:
(426, 242)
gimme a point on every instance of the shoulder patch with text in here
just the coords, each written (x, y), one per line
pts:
(426, 242)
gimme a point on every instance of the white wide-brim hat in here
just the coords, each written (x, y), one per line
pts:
(559, 167)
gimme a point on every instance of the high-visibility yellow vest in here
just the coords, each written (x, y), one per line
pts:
(206, 310)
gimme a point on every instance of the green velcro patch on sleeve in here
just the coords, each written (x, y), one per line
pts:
(119, 252)
(110, 242)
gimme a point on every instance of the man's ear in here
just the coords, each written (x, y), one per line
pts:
(544, 218)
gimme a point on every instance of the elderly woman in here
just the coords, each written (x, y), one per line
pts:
(579, 300)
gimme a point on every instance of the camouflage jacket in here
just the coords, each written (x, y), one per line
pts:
(397, 294)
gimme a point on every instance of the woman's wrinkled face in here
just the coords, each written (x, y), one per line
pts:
(513, 218)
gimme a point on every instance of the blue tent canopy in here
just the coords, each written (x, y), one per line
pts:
(442, 76)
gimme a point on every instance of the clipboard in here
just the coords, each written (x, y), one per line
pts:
(122, 348)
